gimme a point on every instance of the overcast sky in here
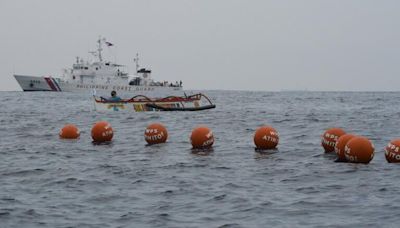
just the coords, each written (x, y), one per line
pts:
(212, 44)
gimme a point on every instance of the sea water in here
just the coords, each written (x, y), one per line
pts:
(49, 182)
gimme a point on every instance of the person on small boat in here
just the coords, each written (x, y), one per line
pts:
(114, 96)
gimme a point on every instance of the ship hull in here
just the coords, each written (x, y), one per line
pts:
(50, 84)
(34, 83)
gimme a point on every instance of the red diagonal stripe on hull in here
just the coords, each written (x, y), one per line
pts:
(50, 83)
(56, 84)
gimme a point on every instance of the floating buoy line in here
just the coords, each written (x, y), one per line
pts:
(347, 147)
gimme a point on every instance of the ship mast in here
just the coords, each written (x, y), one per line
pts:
(99, 49)
(136, 60)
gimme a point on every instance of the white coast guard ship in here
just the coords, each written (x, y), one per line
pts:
(101, 76)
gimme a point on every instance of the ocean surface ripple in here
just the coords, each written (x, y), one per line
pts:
(48, 182)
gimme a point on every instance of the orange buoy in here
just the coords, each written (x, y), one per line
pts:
(202, 138)
(102, 132)
(340, 145)
(155, 133)
(69, 131)
(266, 137)
(359, 150)
(330, 137)
(392, 151)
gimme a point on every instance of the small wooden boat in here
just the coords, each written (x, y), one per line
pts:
(140, 103)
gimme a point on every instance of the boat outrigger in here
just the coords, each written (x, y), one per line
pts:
(141, 103)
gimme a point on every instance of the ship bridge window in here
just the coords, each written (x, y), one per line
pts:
(86, 68)
(97, 68)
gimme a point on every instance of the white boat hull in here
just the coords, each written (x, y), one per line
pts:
(36, 83)
(139, 103)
